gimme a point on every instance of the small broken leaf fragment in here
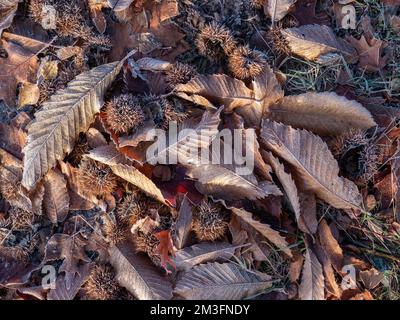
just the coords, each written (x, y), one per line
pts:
(48, 70)
(28, 94)
(97, 15)
(278, 9)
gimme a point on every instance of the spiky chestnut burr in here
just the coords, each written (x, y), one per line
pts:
(133, 208)
(245, 63)
(10, 191)
(163, 111)
(280, 44)
(209, 223)
(180, 73)
(101, 284)
(215, 42)
(351, 139)
(21, 219)
(147, 243)
(115, 231)
(258, 4)
(369, 162)
(96, 178)
(15, 253)
(69, 20)
(124, 113)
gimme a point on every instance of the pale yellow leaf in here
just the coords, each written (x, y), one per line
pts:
(28, 95)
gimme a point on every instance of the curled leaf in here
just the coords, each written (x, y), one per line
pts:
(324, 113)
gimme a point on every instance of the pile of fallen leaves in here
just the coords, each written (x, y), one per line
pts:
(84, 214)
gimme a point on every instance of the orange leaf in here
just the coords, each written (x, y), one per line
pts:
(164, 248)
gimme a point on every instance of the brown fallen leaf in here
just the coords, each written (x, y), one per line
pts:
(20, 65)
(138, 179)
(222, 183)
(320, 174)
(161, 11)
(330, 245)
(13, 137)
(29, 94)
(48, 70)
(138, 275)
(56, 197)
(365, 295)
(308, 219)
(185, 149)
(295, 267)
(317, 43)
(227, 281)
(333, 291)
(324, 113)
(48, 137)
(312, 279)
(8, 9)
(68, 52)
(97, 16)
(203, 252)
(304, 12)
(183, 223)
(370, 53)
(250, 225)
(80, 199)
(277, 10)
(70, 249)
(371, 278)
(250, 103)
(287, 182)
(107, 154)
(62, 292)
